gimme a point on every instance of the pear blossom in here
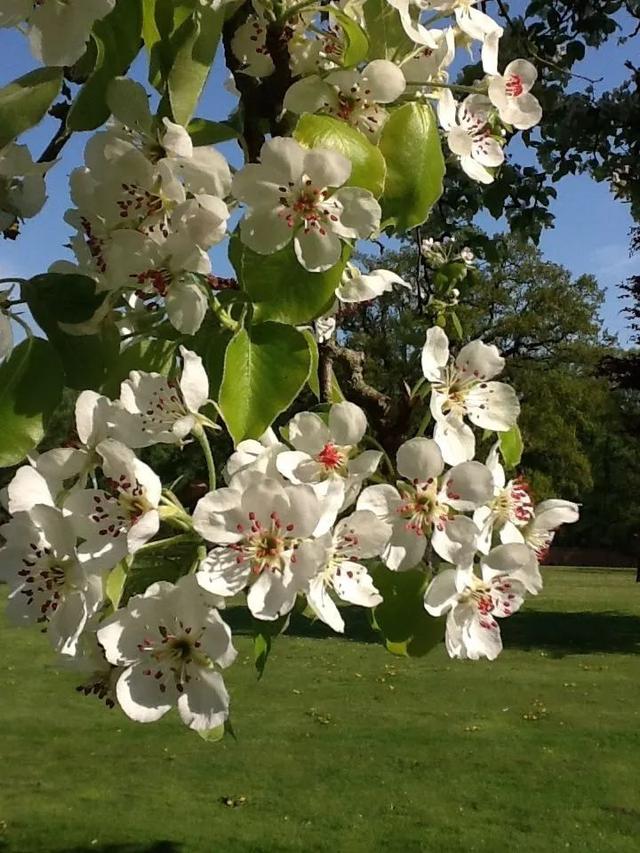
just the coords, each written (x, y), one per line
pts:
(352, 95)
(428, 504)
(510, 94)
(170, 643)
(116, 521)
(430, 63)
(249, 45)
(49, 584)
(22, 186)
(460, 388)
(357, 286)
(264, 537)
(168, 411)
(469, 135)
(509, 510)
(58, 30)
(291, 194)
(255, 455)
(549, 515)
(325, 455)
(359, 536)
(473, 603)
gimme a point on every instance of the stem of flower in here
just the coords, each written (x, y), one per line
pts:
(21, 322)
(455, 87)
(223, 316)
(202, 439)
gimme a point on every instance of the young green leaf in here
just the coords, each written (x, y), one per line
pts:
(31, 382)
(25, 101)
(196, 41)
(511, 446)
(280, 288)
(264, 369)
(410, 143)
(118, 40)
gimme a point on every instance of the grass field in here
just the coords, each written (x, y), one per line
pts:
(342, 747)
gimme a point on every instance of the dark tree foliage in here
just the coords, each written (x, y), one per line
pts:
(584, 129)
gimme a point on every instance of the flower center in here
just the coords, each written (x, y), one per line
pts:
(514, 503)
(305, 205)
(421, 508)
(265, 547)
(513, 86)
(332, 457)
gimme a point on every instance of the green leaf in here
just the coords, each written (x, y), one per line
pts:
(161, 19)
(449, 275)
(387, 38)
(150, 355)
(264, 369)
(368, 166)
(68, 298)
(31, 382)
(197, 40)
(205, 132)
(167, 564)
(114, 586)
(86, 359)
(313, 380)
(25, 101)
(357, 43)
(457, 325)
(405, 626)
(263, 634)
(410, 144)
(280, 288)
(511, 446)
(118, 39)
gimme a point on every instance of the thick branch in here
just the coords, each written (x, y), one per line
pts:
(370, 398)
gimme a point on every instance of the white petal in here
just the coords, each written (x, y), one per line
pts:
(308, 95)
(347, 423)
(435, 353)
(353, 583)
(204, 704)
(517, 561)
(384, 80)
(467, 486)
(419, 459)
(317, 252)
(552, 513)
(361, 212)
(308, 433)
(194, 382)
(455, 439)
(455, 540)
(493, 405)
(322, 604)
(326, 168)
(441, 593)
(140, 696)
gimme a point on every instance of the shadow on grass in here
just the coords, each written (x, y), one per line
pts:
(153, 847)
(573, 633)
(557, 633)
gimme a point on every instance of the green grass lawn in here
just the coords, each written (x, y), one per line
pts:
(342, 747)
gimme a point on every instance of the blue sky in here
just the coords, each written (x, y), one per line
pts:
(590, 235)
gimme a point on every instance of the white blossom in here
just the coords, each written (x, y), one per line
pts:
(116, 521)
(170, 643)
(357, 286)
(428, 505)
(292, 194)
(352, 95)
(264, 537)
(359, 536)
(168, 410)
(49, 584)
(326, 456)
(22, 186)
(473, 603)
(510, 94)
(460, 388)
(469, 134)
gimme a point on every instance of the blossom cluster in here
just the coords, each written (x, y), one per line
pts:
(299, 517)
